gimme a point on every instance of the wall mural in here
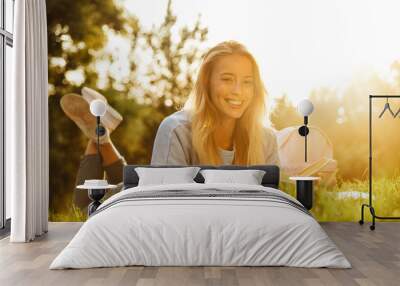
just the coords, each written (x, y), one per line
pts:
(215, 82)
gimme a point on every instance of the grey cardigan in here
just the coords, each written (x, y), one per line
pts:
(173, 143)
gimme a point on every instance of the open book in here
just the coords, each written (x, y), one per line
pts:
(325, 168)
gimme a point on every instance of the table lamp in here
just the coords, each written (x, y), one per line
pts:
(305, 108)
(98, 108)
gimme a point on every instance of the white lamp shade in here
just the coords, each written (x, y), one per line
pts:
(98, 107)
(305, 107)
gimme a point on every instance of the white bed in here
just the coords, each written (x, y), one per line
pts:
(185, 230)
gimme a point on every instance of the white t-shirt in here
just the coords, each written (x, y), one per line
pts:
(226, 156)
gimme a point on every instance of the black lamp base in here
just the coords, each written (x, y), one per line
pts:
(303, 131)
(95, 195)
(100, 130)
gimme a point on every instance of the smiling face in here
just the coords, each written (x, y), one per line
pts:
(232, 85)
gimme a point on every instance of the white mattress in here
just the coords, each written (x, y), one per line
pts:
(200, 231)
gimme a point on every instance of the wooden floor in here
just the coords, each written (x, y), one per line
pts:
(375, 256)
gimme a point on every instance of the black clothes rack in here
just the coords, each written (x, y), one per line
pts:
(369, 205)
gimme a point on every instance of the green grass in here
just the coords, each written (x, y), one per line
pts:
(327, 205)
(73, 214)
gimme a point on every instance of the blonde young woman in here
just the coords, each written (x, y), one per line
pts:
(222, 122)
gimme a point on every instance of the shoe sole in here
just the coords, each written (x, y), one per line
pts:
(77, 109)
(111, 118)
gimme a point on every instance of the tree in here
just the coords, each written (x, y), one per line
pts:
(284, 114)
(74, 33)
(78, 32)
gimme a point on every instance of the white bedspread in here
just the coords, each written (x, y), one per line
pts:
(200, 231)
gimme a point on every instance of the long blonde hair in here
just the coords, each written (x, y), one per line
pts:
(205, 115)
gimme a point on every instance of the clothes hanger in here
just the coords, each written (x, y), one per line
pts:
(397, 113)
(387, 107)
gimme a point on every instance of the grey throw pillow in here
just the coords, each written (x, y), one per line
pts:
(162, 176)
(248, 177)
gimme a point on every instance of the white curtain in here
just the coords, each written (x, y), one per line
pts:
(27, 148)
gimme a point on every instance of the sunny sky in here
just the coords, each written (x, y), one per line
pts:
(299, 45)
